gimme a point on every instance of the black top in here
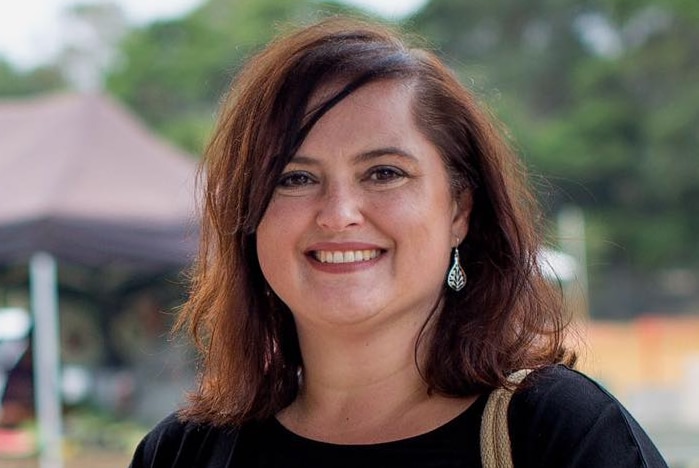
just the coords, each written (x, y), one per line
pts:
(560, 418)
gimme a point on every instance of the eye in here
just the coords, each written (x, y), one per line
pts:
(295, 179)
(385, 174)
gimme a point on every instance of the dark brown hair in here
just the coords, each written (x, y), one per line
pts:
(508, 317)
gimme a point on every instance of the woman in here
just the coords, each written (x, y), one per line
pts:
(368, 275)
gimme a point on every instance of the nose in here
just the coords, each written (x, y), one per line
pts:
(340, 208)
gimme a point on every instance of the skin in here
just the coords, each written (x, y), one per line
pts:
(365, 180)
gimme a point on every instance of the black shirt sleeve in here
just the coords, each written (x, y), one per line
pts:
(176, 444)
(564, 419)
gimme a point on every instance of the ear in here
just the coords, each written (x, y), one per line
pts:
(463, 205)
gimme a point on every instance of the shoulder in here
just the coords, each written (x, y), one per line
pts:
(560, 389)
(177, 443)
(561, 417)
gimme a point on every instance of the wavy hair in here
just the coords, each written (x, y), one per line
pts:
(508, 317)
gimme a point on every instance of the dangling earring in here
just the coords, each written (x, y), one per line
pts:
(456, 279)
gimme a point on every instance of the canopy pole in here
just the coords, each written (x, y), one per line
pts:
(47, 395)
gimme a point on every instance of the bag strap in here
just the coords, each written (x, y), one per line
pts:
(495, 437)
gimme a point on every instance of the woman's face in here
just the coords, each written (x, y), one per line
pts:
(360, 228)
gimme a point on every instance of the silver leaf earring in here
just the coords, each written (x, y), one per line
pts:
(456, 279)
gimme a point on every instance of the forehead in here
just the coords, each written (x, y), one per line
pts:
(329, 90)
(376, 113)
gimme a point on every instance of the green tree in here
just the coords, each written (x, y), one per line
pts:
(603, 99)
(14, 82)
(173, 72)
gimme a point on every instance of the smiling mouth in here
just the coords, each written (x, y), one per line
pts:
(350, 256)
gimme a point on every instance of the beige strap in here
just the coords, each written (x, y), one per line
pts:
(495, 436)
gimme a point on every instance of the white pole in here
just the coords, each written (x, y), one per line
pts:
(47, 396)
(571, 232)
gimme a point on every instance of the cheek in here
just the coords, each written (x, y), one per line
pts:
(423, 227)
(427, 214)
(276, 236)
(276, 223)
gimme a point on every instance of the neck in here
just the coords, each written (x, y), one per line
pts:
(365, 387)
(352, 364)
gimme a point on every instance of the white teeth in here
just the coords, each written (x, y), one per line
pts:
(349, 256)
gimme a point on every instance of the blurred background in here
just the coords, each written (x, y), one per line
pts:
(105, 107)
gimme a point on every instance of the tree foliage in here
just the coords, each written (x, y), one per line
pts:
(14, 82)
(174, 72)
(603, 99)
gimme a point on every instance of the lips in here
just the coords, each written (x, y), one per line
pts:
(345, 256)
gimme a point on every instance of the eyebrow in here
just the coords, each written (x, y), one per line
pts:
(361, 157)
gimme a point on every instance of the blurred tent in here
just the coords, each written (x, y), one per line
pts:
(82, 179)
(83, 183)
